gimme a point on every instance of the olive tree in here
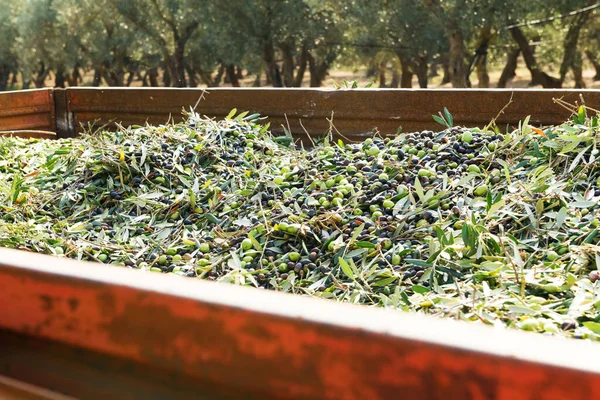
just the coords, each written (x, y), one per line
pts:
(8, 35)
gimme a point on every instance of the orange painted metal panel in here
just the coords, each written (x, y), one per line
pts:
(247, 342)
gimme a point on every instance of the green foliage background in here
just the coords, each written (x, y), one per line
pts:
(283, 42)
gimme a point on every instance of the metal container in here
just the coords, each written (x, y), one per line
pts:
(96, 331)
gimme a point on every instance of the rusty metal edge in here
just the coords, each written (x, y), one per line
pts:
(12, 389)
(471, 337)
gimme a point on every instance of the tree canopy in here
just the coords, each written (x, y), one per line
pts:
(285, 42)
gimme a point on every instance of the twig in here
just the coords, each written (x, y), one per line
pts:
(493, 121)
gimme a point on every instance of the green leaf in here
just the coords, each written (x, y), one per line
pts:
(577, 159)
(581, 114)
(255, 242)
(234, 262)
(449, 118)
(241, 116)
(365, 245)
(357, 231)
(419, 189)
(592, 326)
(590, 238)
(495, 207)
(231, 113)
(582, 204)
(346, 268)
(213, 219)
(439, 120)
(561, 217)
(419, 263)
(385, 281)
(420, 289)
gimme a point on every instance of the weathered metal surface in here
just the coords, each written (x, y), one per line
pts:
(64, 118)
(232, 342)
(355, 113)
(27, 110)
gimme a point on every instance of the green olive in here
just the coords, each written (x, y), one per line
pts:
(481, 190)
(388, 204)
(474, 168)
(467, 137)
(246, 244)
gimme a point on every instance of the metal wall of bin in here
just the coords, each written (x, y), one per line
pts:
(96, 331)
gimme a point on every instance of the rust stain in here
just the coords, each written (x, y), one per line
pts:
(107, 304)
(47, 302)
(73, 304)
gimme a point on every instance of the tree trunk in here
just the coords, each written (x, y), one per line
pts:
(219, 75)
(145, 80)
(302, 62)
(458, 69)
(97, 77)
(482, 73)
(273, 73)
(578, 71)
(231, 74)
(510, 68)
(395, 78)
(191, 76)
(4, 76)
(74, 77)
(446, 68)
(407, 74)
(570, 43)
(433, 69)
(458, 52)
(59, 78)
(179, 64)
(318, 71)
(420, 68)
(288, 64)
(315, 81)
(167, 76)
(479, 60)
(41, 76)
(538, 76)
(257, 80)
(381, 74)
(590, 56)
(239, 72)
(130, 78)
(153, 77)
(205, 77)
